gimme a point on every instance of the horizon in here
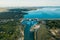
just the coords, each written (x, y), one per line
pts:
(28, 3)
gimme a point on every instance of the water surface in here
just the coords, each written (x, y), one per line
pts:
(47, 13)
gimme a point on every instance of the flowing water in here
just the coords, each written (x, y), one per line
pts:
(46, 13)
(28, 35)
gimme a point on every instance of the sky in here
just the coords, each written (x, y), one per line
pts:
(28, 3)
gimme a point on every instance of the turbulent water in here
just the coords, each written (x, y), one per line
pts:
(28, 35)
(44, 13)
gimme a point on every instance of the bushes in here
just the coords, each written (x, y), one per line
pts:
(8, 31)
(53, 23)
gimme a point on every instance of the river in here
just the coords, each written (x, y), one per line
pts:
(28, 35)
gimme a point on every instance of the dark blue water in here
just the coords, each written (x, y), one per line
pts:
(28, 35)
(45, 13)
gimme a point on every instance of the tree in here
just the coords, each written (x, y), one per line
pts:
(53, 23)
(9, 31)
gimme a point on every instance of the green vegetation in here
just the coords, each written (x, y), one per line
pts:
(49, 31)
(13, 14)
(54, 26)
(53, 23)
(9, 31)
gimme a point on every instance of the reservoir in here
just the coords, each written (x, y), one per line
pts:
(44, 13)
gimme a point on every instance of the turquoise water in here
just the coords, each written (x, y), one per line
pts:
(28, 35)
(44, 13)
